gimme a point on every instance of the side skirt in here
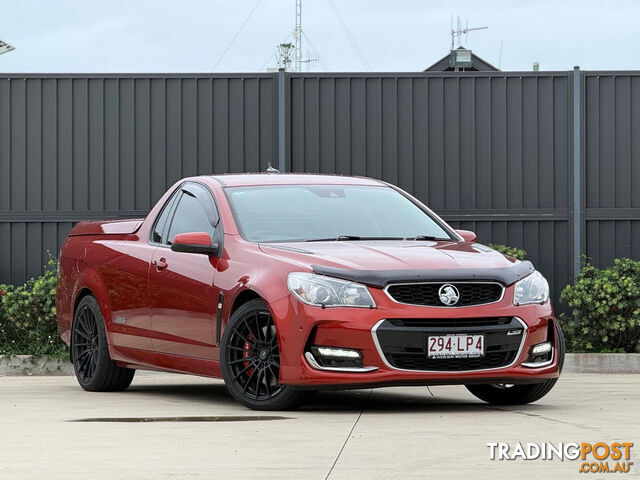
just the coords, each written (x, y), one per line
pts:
(164, 362)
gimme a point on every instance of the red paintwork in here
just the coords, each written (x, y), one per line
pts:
(467, 235)
(115, 227)
(192, 238)
(169, 299)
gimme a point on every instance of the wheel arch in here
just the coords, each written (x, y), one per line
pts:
(83, 292)
(90, 283)
(243, 297)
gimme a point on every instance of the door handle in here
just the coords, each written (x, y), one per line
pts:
(160, 264)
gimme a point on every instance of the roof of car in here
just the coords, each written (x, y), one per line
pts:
(245, 179)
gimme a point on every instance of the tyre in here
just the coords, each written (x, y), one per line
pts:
(250, 360)
(94, 369)
(503, 394)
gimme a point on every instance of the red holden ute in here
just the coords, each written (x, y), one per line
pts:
(281, 283)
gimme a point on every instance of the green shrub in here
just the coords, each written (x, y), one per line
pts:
(606, 304)
(515, 252)
(28, 317)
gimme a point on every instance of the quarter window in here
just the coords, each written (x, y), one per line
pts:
(159, 234)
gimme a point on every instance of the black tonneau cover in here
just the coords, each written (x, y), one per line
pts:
(382, 278)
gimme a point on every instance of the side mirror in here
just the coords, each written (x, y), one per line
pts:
(467, 235)
(194, 242)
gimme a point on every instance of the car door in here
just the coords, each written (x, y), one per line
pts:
(183, 297)
(123, 267)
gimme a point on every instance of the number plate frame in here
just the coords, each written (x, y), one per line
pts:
(456, 346)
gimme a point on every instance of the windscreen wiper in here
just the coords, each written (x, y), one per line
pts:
(342, 238)
(427, 237)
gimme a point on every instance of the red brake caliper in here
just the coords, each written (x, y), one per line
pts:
(247, 354)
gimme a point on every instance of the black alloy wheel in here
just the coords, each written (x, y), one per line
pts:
(508, 394)
(95, 371)
(85, 344)
(253, 358)
(250, 359)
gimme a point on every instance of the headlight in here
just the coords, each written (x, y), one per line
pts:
(531, 289)
(322, 291)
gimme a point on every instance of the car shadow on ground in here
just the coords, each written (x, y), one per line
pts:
(383, 400)
(386, 400)
(196, 392)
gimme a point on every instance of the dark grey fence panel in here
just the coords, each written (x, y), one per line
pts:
(612, 165)
(489, 152)
(74, 147)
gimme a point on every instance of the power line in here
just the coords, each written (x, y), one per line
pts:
(233, 39)
(266, 63)
(350, 36)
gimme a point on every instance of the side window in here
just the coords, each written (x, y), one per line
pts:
(159, 229)
(189, 216)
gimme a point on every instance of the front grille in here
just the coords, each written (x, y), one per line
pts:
(426, 294)
(403, 342)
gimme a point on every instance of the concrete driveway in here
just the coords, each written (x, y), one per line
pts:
(51, 429)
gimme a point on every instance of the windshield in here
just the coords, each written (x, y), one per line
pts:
(288, 213)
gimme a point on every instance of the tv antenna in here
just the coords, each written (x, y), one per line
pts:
(5, 47)
(456, 34)
(289, 53)
(312, 60)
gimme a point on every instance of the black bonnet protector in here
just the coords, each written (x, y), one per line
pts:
(382, 278)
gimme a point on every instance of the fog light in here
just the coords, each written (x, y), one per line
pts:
(334, 352)
(334, 357)
(541, 348)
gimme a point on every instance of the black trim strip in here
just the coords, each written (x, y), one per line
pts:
(382, 278)
(219, 317)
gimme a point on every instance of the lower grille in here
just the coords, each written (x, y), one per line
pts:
(403, 342)
(422, 362)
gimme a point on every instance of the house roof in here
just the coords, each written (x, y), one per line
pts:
(477, 65)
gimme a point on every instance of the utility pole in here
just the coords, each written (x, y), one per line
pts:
(297, 35)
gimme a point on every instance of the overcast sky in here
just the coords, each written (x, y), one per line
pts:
(394, 35)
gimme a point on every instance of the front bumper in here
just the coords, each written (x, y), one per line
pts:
(391, 350)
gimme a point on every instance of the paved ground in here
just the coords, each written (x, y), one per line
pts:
(389, 433)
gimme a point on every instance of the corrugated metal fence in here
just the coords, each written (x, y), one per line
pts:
(492, 152)
(79, 147)
(488, 152)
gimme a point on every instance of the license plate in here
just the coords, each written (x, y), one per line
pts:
(453, 346)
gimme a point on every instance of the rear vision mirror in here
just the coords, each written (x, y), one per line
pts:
(194, 242)
(467, 235)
